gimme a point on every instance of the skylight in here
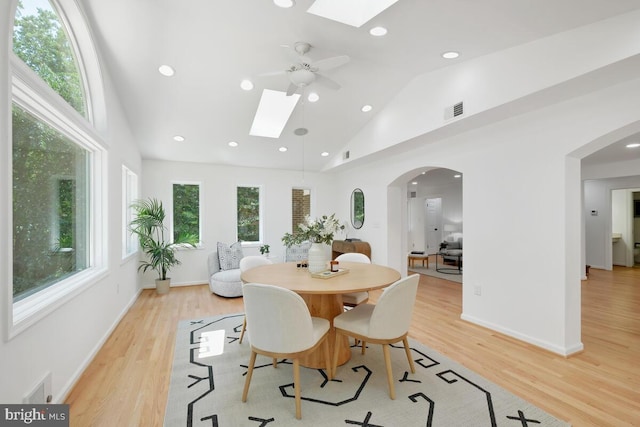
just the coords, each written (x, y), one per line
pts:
(274, 110)
(350, 12)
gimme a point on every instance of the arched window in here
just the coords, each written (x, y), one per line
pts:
(57, 166)
(41, 41)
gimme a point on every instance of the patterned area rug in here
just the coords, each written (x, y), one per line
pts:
(210, 365)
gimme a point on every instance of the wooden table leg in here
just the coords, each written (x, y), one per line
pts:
(326, 306)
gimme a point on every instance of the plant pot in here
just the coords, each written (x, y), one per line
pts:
(162, 286)
(318, 258)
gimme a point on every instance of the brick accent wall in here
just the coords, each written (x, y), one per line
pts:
(300, 206)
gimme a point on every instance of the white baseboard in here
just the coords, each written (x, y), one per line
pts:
(176, 285)
(563, 351)
(64, 392)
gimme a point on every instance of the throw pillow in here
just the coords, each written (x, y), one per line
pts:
(229, 256)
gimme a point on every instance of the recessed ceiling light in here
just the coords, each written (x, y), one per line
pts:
(378, 31)
(633, 145)
(366, 108)
(423, 173)
(324, 154)
(246, 84)
(233, 144)
(166, 70)
(450, 55)
(457, 176)
(178, 138)
(313, 97)
(414, 183)
(284, 3)
(282, 149)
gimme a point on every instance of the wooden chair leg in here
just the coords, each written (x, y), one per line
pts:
(364, 347)
(405, 341)
(328, 358)
(296, 386)
(275, 362)
(336, 352)
(387, 362)
(244, 328)
(247, 380)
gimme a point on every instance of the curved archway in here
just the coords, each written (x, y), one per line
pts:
(399, 195)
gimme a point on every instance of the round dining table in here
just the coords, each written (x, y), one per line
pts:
(324, 295)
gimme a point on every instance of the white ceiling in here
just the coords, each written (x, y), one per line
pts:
(214, 44)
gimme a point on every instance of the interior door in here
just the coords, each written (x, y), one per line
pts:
(433, 221)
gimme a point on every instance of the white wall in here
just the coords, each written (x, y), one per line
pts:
(218, 187)
(522, 212)
(64, 341)
(621, 215)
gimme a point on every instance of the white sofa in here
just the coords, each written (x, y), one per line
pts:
(225, 283)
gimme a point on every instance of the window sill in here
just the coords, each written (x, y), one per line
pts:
(29, 311)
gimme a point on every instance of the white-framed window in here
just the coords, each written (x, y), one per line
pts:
(58, 164)
(129, 195)
(249, 214)
(187, 212)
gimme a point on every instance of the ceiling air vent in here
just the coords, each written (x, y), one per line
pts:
(413, 194)
(454, 111)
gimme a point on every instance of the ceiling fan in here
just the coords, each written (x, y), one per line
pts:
(304, 71)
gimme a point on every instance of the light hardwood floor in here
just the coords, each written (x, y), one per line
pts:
(127, 382)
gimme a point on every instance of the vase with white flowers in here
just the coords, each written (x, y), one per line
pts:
(319, 232)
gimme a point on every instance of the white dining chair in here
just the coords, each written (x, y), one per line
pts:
(247, 263)
(282, 327)
(352, 299)
(386, 322)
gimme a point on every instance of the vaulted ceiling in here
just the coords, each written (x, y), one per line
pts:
(214, 44)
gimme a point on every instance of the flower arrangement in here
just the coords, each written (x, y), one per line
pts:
(320, 230)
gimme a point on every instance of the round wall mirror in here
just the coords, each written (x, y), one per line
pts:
(357, 208)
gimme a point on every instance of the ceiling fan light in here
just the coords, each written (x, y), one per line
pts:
(302, 77)
(284, 3)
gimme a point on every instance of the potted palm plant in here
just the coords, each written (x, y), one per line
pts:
(149, 226)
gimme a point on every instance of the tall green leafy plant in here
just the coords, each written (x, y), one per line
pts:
(150, 229)
(319, 230)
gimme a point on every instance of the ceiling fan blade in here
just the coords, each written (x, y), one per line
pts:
(272, 73)
(327, 82)
(329, 63)
(292, 89)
